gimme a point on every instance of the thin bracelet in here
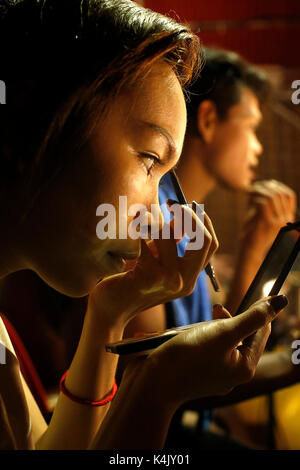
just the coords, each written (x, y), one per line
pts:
(83, 401)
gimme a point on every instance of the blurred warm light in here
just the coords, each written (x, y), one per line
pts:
(267, 287)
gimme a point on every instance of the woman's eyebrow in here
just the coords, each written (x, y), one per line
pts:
(172, 149)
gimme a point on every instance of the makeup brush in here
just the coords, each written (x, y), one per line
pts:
(182, 200)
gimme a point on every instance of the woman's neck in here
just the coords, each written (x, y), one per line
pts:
(10, 240)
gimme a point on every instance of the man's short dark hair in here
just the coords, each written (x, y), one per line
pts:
(223, 76)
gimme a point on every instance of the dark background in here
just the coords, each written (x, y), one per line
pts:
(267, 33)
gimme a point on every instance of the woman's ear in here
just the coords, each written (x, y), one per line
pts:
(207, 118)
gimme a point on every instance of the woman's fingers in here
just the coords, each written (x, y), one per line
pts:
(167, 250)
(202, 244)
(209, 225)
(256, 317)
(188, 221)
(219, 312)
(214, 242)
(247, 335)
(194, 261)
(252, 347)
(210, 358)
(205, 235)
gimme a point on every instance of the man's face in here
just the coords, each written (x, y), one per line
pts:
(234, 149)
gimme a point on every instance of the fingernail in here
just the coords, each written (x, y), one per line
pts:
(278, 303)
(170, 202)
(218, 308)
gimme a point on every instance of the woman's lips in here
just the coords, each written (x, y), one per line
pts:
(124, 255)
(120, 260)
(117, 260)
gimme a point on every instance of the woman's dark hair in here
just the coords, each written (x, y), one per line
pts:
(222, 78)
(64, 60)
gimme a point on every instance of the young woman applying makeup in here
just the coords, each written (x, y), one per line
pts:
(95, 109)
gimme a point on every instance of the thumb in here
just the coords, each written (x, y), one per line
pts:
(257, 316)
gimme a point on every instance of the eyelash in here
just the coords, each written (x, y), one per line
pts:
(154, 159)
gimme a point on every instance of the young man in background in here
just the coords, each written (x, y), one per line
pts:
(222, 148)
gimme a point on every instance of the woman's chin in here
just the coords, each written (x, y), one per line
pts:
(81, 281)
(71, 286)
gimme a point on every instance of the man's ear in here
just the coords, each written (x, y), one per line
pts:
(207, 118)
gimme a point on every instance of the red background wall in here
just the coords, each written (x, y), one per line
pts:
(265, 31)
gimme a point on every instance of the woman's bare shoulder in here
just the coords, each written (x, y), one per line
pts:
(9, 364)
(23, 414)
(14, 415)
(5, 343)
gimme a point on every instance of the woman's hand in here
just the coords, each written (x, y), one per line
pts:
(204, 361)
(215, 357)
(158, 276)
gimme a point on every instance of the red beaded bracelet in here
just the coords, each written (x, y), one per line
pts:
(84, 401)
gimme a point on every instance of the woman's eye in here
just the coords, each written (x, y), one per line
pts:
(149, 161)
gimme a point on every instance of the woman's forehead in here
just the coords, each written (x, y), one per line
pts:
(157, 99)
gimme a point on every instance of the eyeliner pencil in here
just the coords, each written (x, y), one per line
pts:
(182, 200)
